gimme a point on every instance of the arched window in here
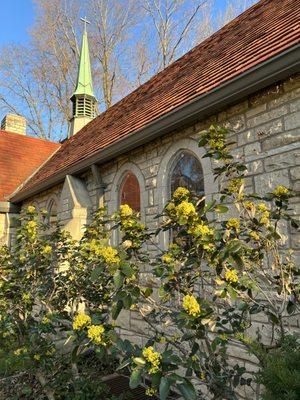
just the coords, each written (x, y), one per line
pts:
(130, 192)
(52, 213)
(187, 172)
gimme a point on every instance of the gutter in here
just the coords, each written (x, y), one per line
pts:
(262, 75)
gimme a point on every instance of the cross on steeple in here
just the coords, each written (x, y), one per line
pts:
(85, 21)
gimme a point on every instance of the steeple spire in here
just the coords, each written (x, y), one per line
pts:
(83, 98)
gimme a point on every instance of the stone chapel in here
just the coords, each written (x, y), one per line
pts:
(246, 76)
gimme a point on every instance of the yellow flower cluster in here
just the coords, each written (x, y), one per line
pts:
(26, 297)
(47, 249)
(153, 357)
(50, 352)
(234, 185)
(125, 211)
(180, 193)
(81, 321)
(254, 235)
(280, 191)
(262, 207)
(265, 216)
(167, 258)
(233, 223)
(109, 254)
(37, 357)
(31, 228)
(201, 230)
(30, 209)
(231, 276)
(184, 210)
(46, 321)
(249, 205)
(191, 305)
(20, 351)
(95, 333)
(150, 392)
(216, 142)
(171, 208)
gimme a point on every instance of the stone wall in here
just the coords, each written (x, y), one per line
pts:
(266, 129)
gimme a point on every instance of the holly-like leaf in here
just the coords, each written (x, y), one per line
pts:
(164, 388)
(116, 309)
(187, 390)
(135, 378)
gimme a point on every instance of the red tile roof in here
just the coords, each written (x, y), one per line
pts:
(20, 156)
(260, 33)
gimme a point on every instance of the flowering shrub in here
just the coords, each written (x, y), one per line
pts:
(60, 299)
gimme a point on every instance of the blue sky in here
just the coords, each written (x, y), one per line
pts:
(16, 18)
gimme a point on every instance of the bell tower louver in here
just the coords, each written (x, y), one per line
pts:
(84, 102)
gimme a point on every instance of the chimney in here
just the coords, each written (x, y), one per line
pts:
(14, 123)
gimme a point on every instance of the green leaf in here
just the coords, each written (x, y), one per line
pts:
(221, 209)
(164, 388)
(127, 301)
(118, 279)
(147, 292)
(273, 318)
(291, 307)
(135, 378)
(74, 354)
(127, 270)
(187, 390)
(96, 273)
(295, 224)
(116, 309)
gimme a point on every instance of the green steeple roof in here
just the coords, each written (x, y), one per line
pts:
(84, 79)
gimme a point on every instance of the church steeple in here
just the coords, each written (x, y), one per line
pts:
(83, 98)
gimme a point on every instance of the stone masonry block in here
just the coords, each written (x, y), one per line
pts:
(292, 121)
(255, 167)
(235, 123)
(266, 117)
(295, 241)
(151, 183)
(267, 182)
(257, 133)
(284, 160)
(292, 83)
(295, 105)
(281, 140)
(256, 110)
(295, 173)
(284, 98)
(252, 149)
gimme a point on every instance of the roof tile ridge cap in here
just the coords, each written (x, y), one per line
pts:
(19, 188)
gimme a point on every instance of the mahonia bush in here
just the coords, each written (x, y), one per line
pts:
(227, 260)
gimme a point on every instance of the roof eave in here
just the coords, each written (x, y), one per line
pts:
(262, 75)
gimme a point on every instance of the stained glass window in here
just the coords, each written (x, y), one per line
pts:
(130, 192)
(187, 172)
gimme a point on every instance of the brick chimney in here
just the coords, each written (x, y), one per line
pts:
(14, 123)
